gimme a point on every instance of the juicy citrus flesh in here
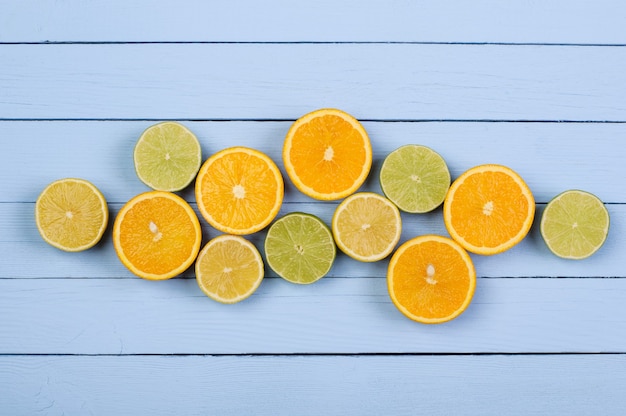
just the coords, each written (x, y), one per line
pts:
(71, 214)
(300, 248)
(431, 279)
(575, 224)
(366, 226)
(327, 154)
(488, 209)
(157, 235)
(415, 178)
(229, 269)
(167, 156)
(239, 190)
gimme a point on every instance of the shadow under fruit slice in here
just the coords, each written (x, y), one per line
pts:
(71, 214)
(327, 154)
(488, 209)
(300, 248)
(229, 269)
(157, 235)
(239, 190)
(575, 224)
(431, 279)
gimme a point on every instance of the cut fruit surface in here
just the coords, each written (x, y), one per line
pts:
(239, 190)
(157, 235)
(366, 226)
(167, 156)
(488, 209)
(431, 279)
(575, 224)
(71, 214)
(300, 248)
(327, 154)
(415, 178)
(229, 269)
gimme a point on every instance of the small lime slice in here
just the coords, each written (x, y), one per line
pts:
(575, 224)
(415, 178)
(167, 156)
(300, 248)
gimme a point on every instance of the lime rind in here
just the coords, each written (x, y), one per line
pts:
(167, 156)
(300, 248)
(415, 178)
(575, 224)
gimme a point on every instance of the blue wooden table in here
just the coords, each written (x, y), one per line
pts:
(538, 86)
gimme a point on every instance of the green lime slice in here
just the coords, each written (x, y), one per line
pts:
(167, 156)
(575, 224)
(300, 248)
(415, 178)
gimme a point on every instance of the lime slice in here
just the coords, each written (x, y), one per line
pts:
(71, 214)
(300, 248)
(229, 269)
(366, 226)
(415, 178)
(167, 156)
(575, 224)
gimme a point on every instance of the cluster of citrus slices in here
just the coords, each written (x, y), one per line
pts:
(327, 155)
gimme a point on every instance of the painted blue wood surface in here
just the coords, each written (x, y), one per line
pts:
(538, 86)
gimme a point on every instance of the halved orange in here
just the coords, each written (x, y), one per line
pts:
(239, 190)
(488, 209)
(327, 154)
(431, 279)
(157, 235)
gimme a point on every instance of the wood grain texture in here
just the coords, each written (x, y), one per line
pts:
(366, 385)
(343, 315)
(517, 21)
(284, 81)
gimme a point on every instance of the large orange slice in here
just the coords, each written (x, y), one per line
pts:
(239, 190)
(488, 209)
(431, 279)
(327, 154)
(157, 235)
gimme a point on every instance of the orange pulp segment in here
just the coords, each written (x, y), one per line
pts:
(327, 154)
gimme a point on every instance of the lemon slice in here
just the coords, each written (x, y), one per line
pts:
(229, 269)
(575, 224)
(167, 156)
(71, 214)
(366, 226)
(300, 248)
(415, 178)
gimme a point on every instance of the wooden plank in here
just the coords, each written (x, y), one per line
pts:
(313, 385)
(20, 242)
(284, 81)
(576, 21)
(348, 315)
(552, 157)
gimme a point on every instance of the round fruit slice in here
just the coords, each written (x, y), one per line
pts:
(71, 214)
(157, 235)
(239, 190)
(300, 248)
(327, 154)
(229, 269)
(366, 226)
(575, 224)
(431, 279)
(488, 209)
(415, 178)
(167, 156)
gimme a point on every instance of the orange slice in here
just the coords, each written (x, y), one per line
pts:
(431, 279)
(239, 190)
(157, 235)
(327, 154)
(488, 209)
